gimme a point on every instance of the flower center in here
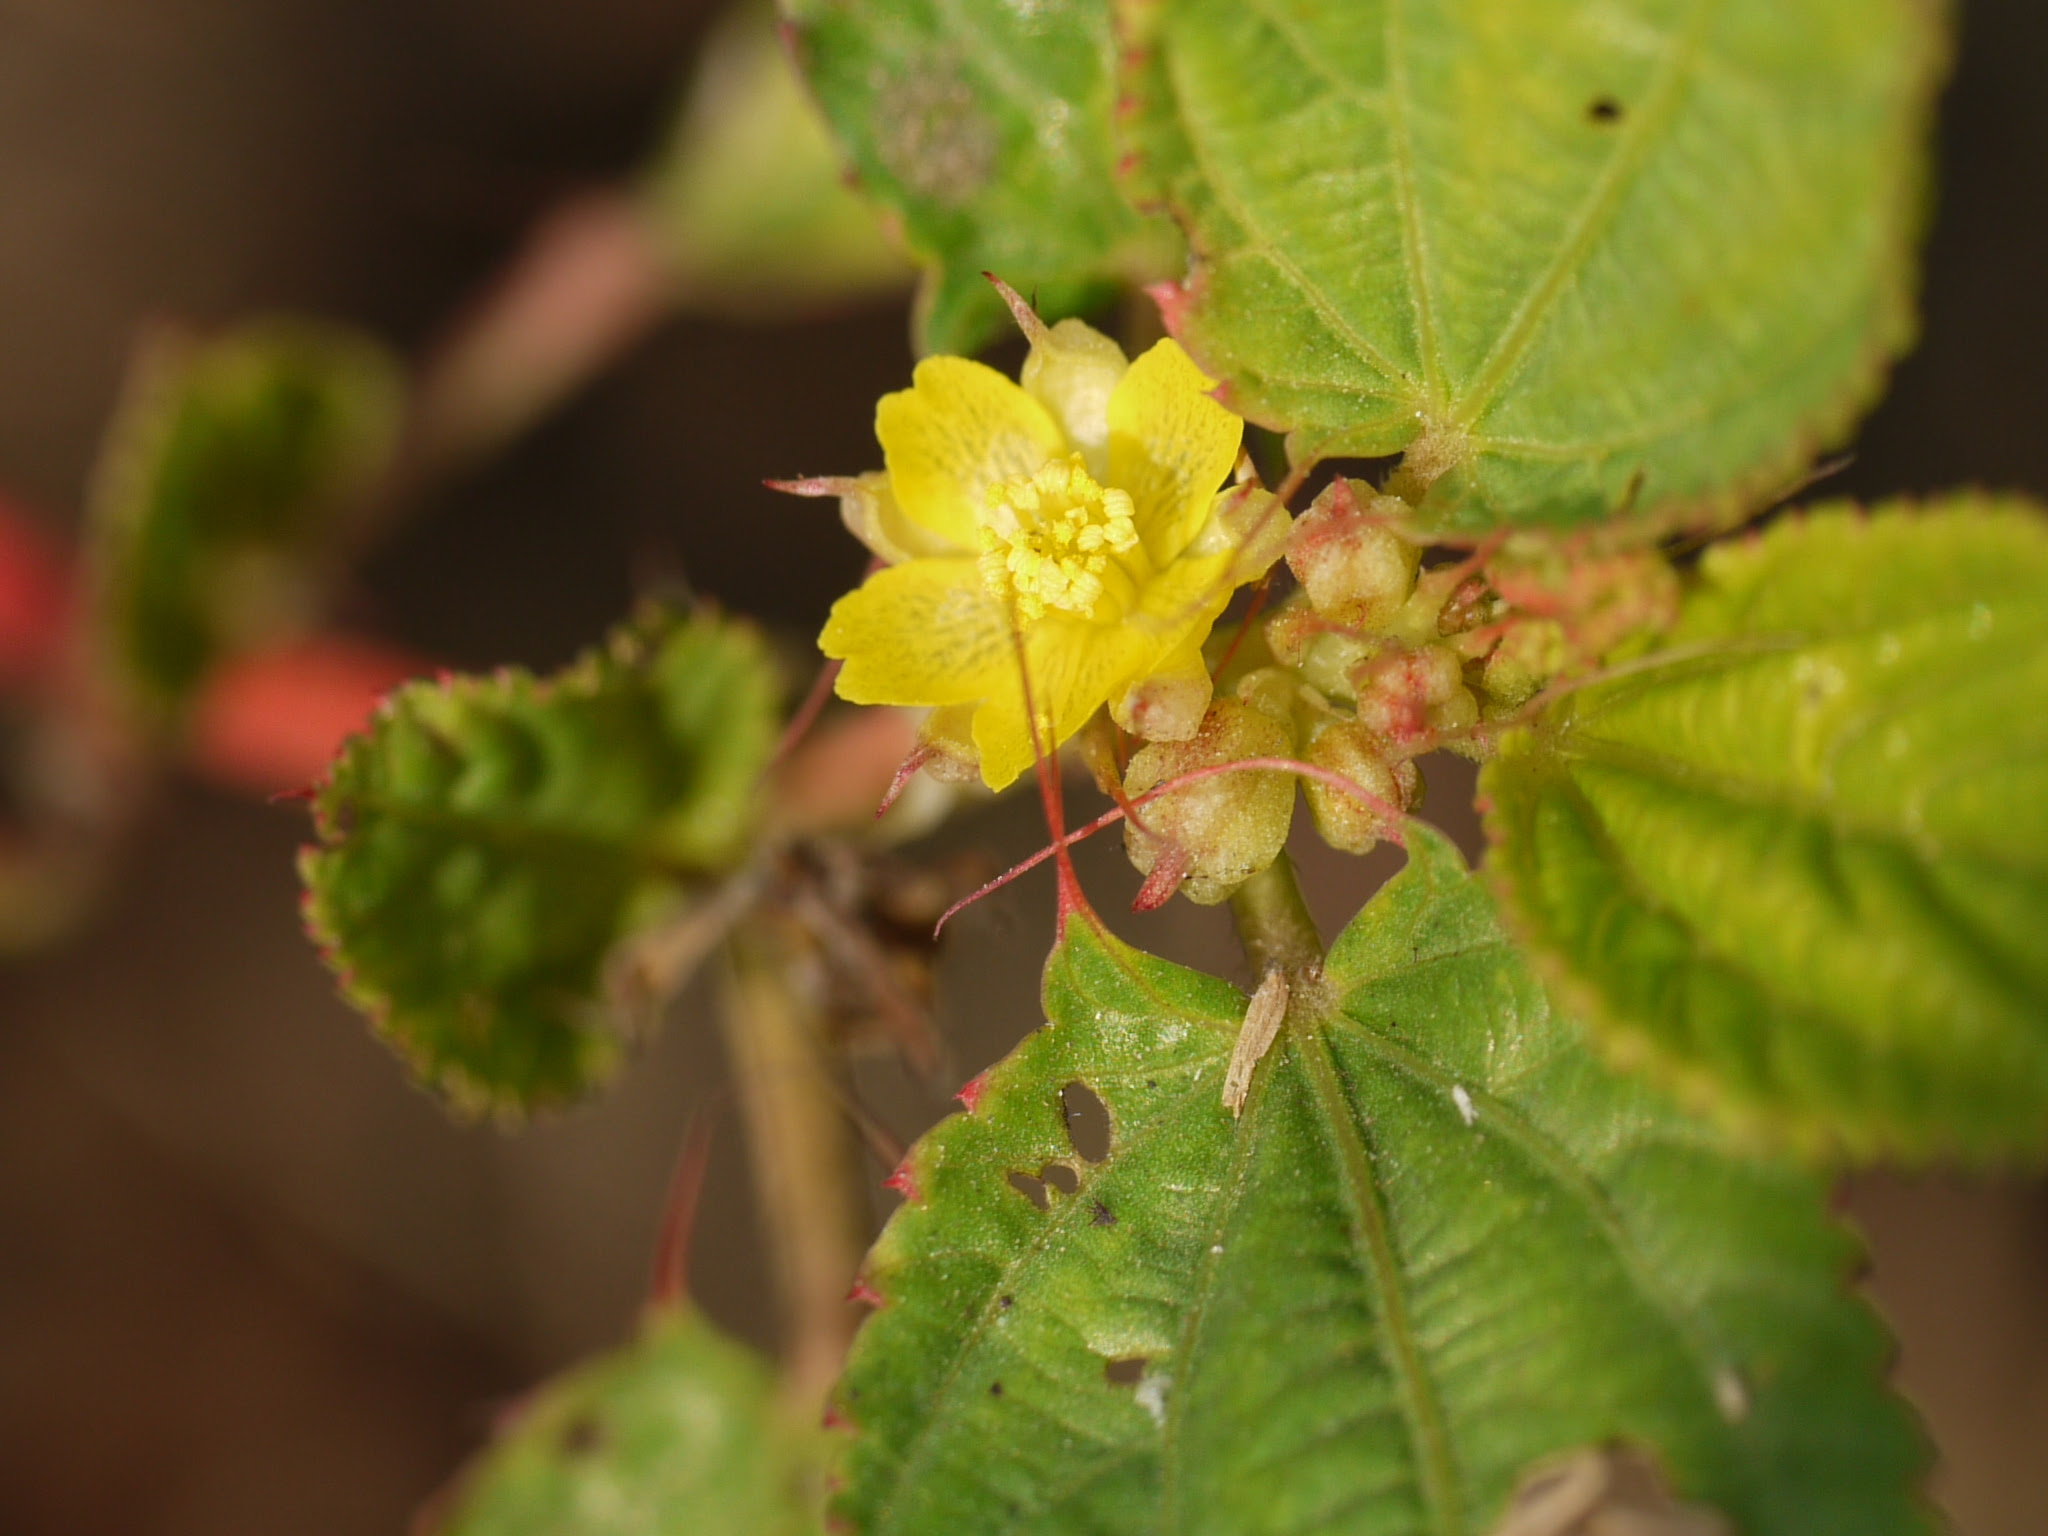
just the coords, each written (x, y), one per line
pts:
(1049, 540)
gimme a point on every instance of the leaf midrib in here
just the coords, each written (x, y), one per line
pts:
(1630, 150)
(1257, 242)
(1435, 1462)
(1564, 1170)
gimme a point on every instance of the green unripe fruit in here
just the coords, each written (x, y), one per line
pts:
(1356, 570)
(1345, 821)
(1408, 698)
(1226, 828)
(1529, 655)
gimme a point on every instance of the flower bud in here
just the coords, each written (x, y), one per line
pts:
(1409, 697)
(1272, 692)
(1291, 629)
(946, 743)
(1249, 524)
(1529, 655)
(1346, 821)
(1356, 570)
(1169, 704)
(1228, 827)
(1072, 370)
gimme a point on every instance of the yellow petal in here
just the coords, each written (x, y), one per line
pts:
(1076, 666)
(1170, 446)
(868, 508)
(922, 633)
(960, 427)
(1179, 605)
(1072, 371)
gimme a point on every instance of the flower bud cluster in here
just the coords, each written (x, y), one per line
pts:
(1372, 663)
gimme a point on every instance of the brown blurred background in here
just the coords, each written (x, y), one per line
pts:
(250, 1282)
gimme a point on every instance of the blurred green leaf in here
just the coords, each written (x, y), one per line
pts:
(491, 849)
(1801, 862)
(226, 482)
(985, 130)
(1442, 1244)
(680, 1432)
(1573, 256)
(747, 194)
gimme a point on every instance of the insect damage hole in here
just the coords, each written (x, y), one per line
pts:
(1087, 1121)
(1127, 1372)
(1039, 1188)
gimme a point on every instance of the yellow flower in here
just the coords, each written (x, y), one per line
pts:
(1079, 519)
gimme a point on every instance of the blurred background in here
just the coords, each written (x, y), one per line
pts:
(250, 1281)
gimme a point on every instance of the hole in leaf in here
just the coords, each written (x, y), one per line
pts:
(1087, 1121)
(1031, 1189)
(1124, 1373)
(1603, 109)
(1060, 1177)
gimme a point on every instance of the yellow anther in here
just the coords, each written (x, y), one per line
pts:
(1048, 540)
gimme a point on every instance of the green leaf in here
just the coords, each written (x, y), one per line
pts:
(1573, 256)
(747, 196)
(1441, 1244)
(984, 130)
(226, 482)
(679, 1432)
(491, 849)
(1800, 862)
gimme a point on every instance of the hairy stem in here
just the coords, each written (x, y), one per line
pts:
(807, 1167)
(1273, 922)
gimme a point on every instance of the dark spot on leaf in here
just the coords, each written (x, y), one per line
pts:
(1060, 1177)
(582, 1436)
(1603, 109)
(1103, 1216)
(1124, 1373)
(1151, 1082)
(1031, 1189)
(995, 1389)
(1633, 493)
(1006, 1302)
(1087, 1121)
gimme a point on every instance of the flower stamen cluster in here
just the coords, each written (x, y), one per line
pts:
(1057, 539)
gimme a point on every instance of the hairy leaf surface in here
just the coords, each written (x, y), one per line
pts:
(1802, 864)
(984, 129)
(1441, 1244)
(1572, 255)
(225, 481)
(679, 1432)
(488, 847)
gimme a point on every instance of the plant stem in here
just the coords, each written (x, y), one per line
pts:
(807, 1167)
(1273, 922)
